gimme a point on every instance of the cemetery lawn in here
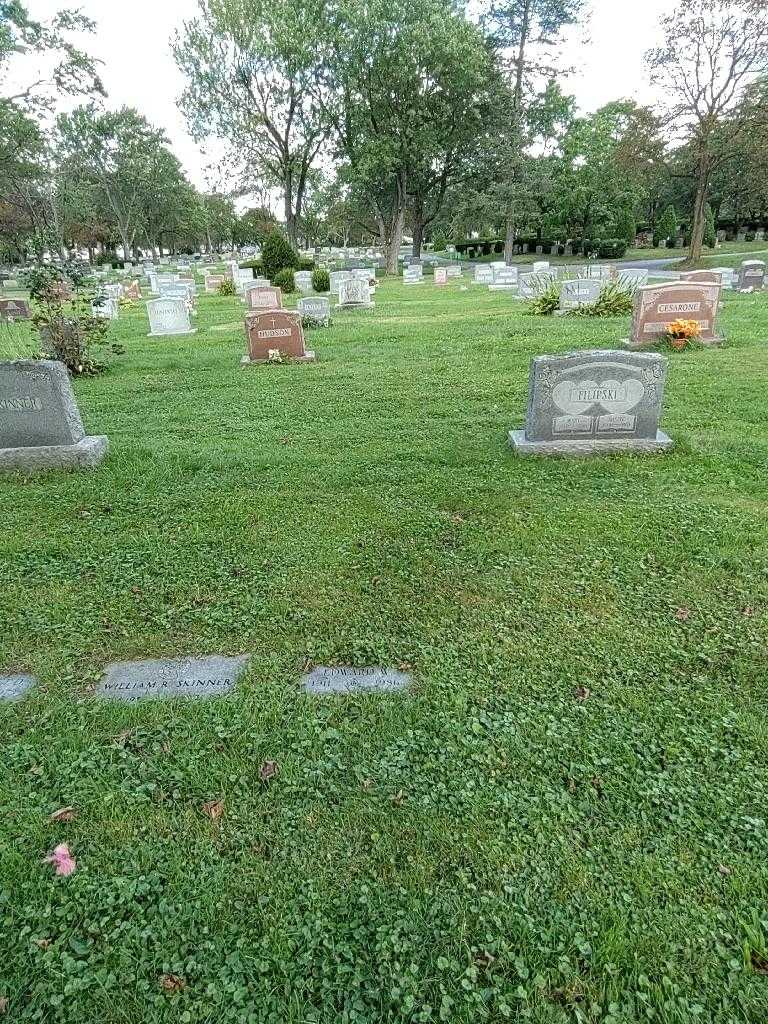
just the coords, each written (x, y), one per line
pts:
(564, 821)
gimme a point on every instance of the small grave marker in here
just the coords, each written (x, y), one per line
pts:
(12, 687)
(751, 274)
(574, 294)
(441, 276)
(483, 274)
(14, 309)
(324, 679)
(316, 309)
(355, 293)
(209, 676)
(259, 297)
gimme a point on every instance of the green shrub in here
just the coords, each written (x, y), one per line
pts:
(256, 265)
(668, 225)
(227, 288)
(306, 263)
(285, 280)
(616, 298)
(321, 280)
(611, 248)
(278, 254)
(439, 242)
(548, 297)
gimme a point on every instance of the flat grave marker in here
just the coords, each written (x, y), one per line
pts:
(598, 402)
(347, 680)
(13, 687)
(209, 676)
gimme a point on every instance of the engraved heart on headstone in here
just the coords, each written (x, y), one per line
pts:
(576, 397)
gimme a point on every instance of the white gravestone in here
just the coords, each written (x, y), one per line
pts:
(483, 274)
(504, 279)
(168, 317)
(303, 279)
(354, 294)
(315, 310)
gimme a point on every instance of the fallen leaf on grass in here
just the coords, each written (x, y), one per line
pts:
(367, 784)
(683, 614)
(268, 770)
(724, 870)
(63, 814)
(62, 860)
(173, 983)
(484, 959)
(759, 962)
(582, 693)
(43, 943)
(398, 798)
(213, 809)
(748, 612)
(4, 1004)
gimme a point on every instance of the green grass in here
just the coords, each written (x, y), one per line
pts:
(488, 847)
(732, 251)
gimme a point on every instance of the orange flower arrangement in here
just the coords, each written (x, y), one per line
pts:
(683, 332)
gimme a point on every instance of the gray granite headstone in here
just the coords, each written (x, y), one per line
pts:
(342, 679)
(15, 686)
(208, 676)
(40, 425)
(574, 294)
(586, 403)
(315, 309)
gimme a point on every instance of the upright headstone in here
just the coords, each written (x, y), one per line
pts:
(133, 292)
(453, 271)
(587, 403)
(274, 336)
(751, 275)
(702, 276)
(258, 297)
(504, 279)
(40, 424)
(337, 276)
(303, 279)
(213, 282)
(441, 276)
(14, 309)
(483, 274)
(582, 292)
(540, 267)
(354, 294)
(413, 274)
(315, 310)
(168, 317)
(633, 278)
(104, 307)
(659, 305)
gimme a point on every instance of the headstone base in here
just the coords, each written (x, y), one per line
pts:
(308, 357)
(173, 334)
(86, 454)
(355, 305)
(590, 446)
(502, 287)
(640, 346)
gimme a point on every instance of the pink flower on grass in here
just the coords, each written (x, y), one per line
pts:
(62, 860)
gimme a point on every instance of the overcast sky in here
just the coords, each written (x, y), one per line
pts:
(133, 40)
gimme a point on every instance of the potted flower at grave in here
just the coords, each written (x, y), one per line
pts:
(682, 333)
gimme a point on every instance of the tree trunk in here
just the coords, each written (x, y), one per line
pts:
(509, 241)
(699, 208)
(418, 230)
(290, 216)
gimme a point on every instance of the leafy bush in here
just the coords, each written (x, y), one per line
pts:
(278, 254)
(67, 336)
(227, 287)
(306, 263)
(611, 248)
(548, 295)
(285, 280)
(668, 225)
(255, 264)
(321, 280)
(439, 242)
(616, 298)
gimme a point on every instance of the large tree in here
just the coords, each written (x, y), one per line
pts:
(713, 51)
(250, 74)
(125, 162)
(401, 84)
(526, 34)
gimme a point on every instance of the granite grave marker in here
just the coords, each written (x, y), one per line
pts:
(275, 334)
(209, 676)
